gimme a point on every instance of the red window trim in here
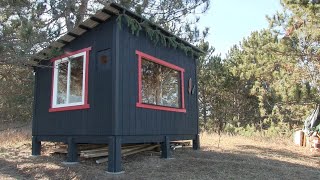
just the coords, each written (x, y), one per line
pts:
(76, 107)
(140, 104)
(69, 108)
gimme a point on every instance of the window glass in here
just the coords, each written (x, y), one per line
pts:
(160, 85)
(62, 82)
(76, 79)
(69, 81)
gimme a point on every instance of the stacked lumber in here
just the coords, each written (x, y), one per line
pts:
(62, 148)
(104, 151)
(96, 151)
(130, 151)
(101, 151)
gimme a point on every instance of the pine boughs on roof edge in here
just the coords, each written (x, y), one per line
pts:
(154, 34)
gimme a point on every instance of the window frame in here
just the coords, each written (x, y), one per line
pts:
(140, 104)
(58, 60)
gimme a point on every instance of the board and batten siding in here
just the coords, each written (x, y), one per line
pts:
(113, 90)
(97, 120)
(141, 121)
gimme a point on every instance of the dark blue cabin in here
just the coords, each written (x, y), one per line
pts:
(110, 86)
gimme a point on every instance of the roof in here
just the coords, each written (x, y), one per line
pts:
(101, 16)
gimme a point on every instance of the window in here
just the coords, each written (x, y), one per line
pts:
(161, 84)
(70, 81)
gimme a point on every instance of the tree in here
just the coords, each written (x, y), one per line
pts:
(268, 81)
(19, 34)
(279, 82)
(223, 99)
(29, 25)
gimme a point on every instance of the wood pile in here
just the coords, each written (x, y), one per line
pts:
(130, 151)
(61, 148)
(98, 151)
(101, 151)
(312, 141)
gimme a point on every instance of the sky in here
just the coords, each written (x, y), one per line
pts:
(232, 20)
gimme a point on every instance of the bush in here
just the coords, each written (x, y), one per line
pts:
(273, 131)
(16, 93)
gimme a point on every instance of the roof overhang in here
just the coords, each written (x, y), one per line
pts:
(101, 16)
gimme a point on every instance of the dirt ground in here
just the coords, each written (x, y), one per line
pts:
(236, 158)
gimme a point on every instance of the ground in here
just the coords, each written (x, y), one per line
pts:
(236, 157)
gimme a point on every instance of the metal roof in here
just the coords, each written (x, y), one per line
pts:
(101, 16)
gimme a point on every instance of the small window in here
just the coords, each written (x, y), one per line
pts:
(160, 84)
(103, 60)
(69, 84)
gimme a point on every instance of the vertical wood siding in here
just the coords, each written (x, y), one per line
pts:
(103, 118)
(98, 119)
(140, 121)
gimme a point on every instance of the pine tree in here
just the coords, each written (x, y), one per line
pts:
(223, 98)
(281, 64)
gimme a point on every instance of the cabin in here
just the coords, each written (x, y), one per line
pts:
(104, 83)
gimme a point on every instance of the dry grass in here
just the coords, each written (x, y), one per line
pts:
(272, 149)
(12, 134)
(236, 158)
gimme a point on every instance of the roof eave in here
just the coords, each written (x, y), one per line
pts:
(110, 10)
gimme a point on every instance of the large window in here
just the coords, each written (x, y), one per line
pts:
(69, 84)
(160, 84)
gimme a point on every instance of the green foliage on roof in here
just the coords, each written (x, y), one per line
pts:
(155, 34)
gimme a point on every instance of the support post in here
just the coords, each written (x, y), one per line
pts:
(196, 142)
(72, 156)
(165, 148)
(36, 146)
(114, 156)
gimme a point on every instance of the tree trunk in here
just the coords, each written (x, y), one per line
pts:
(82, 11)
(204, 111)
(69, 23)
